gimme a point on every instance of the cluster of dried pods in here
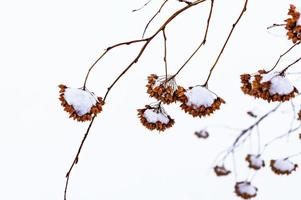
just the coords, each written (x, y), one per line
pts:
(255, 162)
(293, 25)
(198, 101)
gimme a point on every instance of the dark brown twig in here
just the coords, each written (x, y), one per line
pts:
(76, 158)
(135, 10)
(275, 25)
(153, 17)
(287, 51)
(105, 52)
(184, 1)
(165, 54)
(202, 43)
(293, 63)
(225, 44)
(149, 40)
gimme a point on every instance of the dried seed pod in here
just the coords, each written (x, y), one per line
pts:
(251, 114)
(245, 190)
(271, 86)
(81, 104)
(293, 24)
(299, 115)
(163, 88)
(198, 101)
(155, 118)
(221, 170)
(202, 134)
(283, 166)
(255, 162)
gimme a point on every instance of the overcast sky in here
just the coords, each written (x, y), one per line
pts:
(47, 43)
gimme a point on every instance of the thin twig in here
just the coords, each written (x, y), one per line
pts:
(202, 43)
(240, 139)
(106, 51)
(287, 51)
(165, 54)
(225, 44)
(185, 1)
(135, 10)
(291, 130)
(275, 25)
(293, 63)
(153, 17)
(76, 158)
(148, 41)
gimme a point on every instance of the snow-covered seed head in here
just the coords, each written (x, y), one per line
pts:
(161, 88)
(199, 101)
(271, 86)
(255, 161)
(283, 166)
(245, 190)
(155, 118)
(202, 134)
(221, 170)
(293, 24)
(81, 104)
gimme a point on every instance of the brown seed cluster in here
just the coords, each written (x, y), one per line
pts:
(221, 171)
(69, 108)
(244, 195)
(253, 165)
(279, 171)
(260, 89)
(162, 89)
(158, 125)
(197, 111)
(293, 30)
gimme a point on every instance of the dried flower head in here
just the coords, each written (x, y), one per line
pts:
(199, 101)
(245, 190)
(163, 88)
(283, 166)
(293, 24)
(271, 86)
(202, 134)
(81, 104)
(255, 162)
(154, 117)
(221, 170)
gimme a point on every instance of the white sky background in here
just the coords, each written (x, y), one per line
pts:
(46, 43)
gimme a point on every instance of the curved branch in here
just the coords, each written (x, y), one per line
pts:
(105, 52)
(149, 40)
(153, 17)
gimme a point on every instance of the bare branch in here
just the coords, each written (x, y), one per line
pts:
(202, 43)
(76, 158)
(275, 25)
(138, 9)
(287, 51)
(225, 44)
(153, 17)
